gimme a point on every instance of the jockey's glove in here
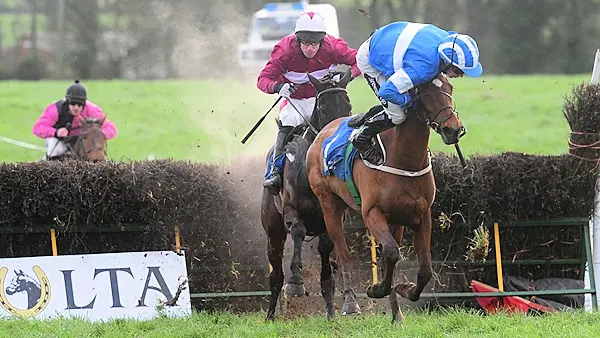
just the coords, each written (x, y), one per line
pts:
(407, 100)
(285, 89)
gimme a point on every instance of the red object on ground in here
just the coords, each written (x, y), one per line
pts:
(507, 303)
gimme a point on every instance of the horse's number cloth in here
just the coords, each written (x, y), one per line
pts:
(339, 154)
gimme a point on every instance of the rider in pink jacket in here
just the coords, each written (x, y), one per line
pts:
(63, 118)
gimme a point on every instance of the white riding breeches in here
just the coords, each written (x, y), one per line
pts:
(55, 147)
(290, 117)
(396, 114)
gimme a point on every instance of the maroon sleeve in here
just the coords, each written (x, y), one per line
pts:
(273, 71)
(346, 56)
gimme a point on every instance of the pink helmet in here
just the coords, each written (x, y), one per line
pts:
(310, 27)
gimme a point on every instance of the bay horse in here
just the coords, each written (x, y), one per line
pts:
(89, 145)
(396, 194)
(296, 210)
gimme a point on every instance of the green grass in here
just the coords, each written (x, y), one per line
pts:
(453, 323)
(206, 120)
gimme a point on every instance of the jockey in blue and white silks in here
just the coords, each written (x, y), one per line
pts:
(400, 56)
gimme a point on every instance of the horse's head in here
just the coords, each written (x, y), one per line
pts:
(332, 100)
(437, 109)
(19, 283)
(91, 145)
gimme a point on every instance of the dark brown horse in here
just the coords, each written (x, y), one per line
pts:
(394, 199)
(296, 209)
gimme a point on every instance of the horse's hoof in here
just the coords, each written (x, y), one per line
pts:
(405, 290)
(350, 308)
(330, 314)
(398, 318)
(294, 290)
(377, 291)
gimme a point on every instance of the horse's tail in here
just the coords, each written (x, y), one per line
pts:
(296, 170)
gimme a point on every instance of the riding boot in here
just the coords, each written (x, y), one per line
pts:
(274, 179)
(364, 141)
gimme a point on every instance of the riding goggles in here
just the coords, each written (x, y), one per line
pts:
(310, 43)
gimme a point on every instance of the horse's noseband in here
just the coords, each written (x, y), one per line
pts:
(433, 124)
(80, 145)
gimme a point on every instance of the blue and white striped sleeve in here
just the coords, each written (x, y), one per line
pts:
(396, 87)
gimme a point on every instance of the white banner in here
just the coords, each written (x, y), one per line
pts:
(134, 285)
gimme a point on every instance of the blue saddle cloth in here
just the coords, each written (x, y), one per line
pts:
(334, 152)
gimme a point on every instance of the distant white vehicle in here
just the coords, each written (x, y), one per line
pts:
(275, 21)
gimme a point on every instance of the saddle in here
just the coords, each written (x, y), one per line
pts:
(298, 130)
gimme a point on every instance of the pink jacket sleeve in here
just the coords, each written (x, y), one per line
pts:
(108, 128)
(272, 73)
(346, 56)
(44, 126)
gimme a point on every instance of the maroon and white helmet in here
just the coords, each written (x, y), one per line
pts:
(310, 27)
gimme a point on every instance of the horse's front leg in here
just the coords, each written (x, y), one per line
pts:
(397, 316)
(295, 285)
(422, 244)
(377, 224)
(327, 282)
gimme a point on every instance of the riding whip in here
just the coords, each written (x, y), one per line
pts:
(260, 121)
(304, 118)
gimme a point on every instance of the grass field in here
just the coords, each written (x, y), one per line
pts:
(454, 323)
(205, 121)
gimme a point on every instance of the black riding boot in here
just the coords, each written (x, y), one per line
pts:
(273, 183)
(365, 142)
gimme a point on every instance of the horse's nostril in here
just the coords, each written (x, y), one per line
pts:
(449, 131)
(450, 135)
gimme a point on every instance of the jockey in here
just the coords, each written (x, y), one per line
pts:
(309, 50)
(401, 56)
(62, 119)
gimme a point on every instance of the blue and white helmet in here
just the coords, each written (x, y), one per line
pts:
(461, 50)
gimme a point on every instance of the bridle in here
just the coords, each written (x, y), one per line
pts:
(79, 144)
(433, 124)
(318, 108)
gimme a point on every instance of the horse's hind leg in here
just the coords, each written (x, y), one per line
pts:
(333, 212)
(275, 253)
(295, 285)
(272, 223)
(378, 226)
(327, 281)
(422, 244)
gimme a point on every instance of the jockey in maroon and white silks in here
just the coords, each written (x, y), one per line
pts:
(308, 50)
